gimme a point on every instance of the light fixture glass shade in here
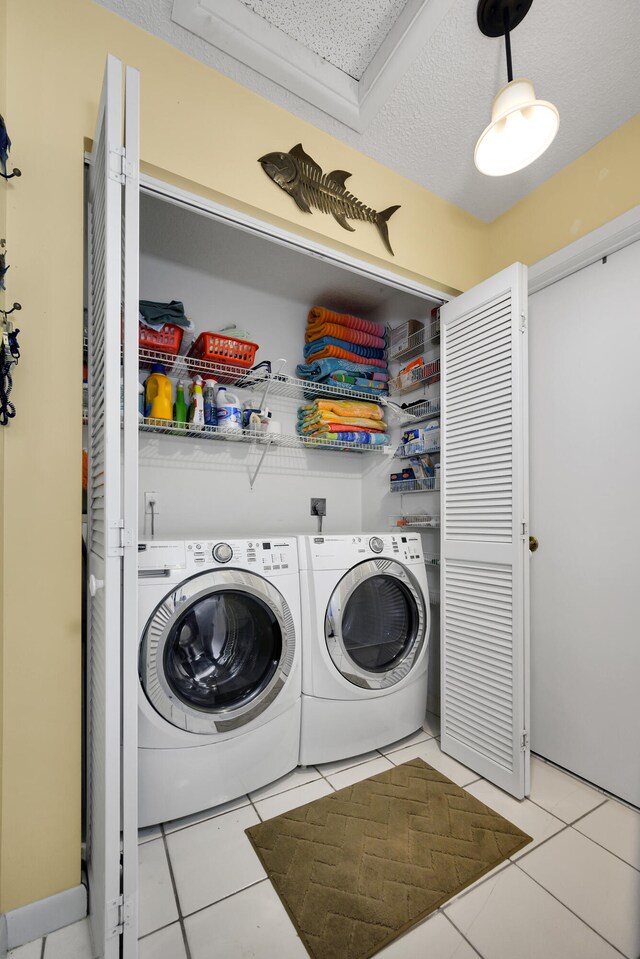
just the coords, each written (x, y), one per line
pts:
(520, 131)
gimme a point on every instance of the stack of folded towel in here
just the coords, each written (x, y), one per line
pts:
(347, 421)
(345, 350)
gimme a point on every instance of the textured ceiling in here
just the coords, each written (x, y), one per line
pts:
(580, 54)
(347, 33)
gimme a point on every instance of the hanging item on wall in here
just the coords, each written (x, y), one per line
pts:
(3, 269)
(5, 146)
(9, 356)
(298, 175)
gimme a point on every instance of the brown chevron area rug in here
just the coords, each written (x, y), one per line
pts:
(357, 868)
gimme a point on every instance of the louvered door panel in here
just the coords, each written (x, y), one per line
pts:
(112, 687)
(484, 574)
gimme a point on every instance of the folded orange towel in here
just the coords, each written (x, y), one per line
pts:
(319, 313)
(316, 330)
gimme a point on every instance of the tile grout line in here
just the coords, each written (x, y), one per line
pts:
(564, 904)
(175, 893)
(586, 782)
(535, 803)
(251, 885)
(460, 933)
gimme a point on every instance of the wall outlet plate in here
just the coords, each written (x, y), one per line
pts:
(318, 506)
(149, 498)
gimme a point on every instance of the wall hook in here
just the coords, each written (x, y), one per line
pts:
(16, 306)
(10, 176)
(5, 146)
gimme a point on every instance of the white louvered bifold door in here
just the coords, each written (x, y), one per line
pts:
(484, 531)
(130, 638)
(107, 535)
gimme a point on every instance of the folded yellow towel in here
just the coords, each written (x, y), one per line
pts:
(325, 416)
(347, 408)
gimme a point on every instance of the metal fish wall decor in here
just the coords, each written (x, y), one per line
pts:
(301, 177)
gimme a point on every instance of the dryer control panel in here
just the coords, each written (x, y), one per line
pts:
(343, 551)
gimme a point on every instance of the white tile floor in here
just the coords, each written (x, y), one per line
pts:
(572, 893)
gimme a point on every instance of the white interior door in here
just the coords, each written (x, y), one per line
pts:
(484, 530)
(585, 462)
(109, 539)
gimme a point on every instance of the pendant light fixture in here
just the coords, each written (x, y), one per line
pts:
(521, 127)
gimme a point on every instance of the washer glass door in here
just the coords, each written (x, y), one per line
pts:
(222, 651)
(376, 624)
(217, 651)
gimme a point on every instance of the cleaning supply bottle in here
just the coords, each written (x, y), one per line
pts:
(196, 411)
(210, 411)
(158, 394)
(140, 401)
(229, 412)
(180, 411)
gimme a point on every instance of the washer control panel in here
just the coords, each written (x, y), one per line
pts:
(274, 555)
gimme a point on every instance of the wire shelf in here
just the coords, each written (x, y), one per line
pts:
(278, 440)
(416, 520)
(415, 342)
(421, 411)
(429, 484)
(278, 384)
(420, 447)
(432, 559)
(415, 378)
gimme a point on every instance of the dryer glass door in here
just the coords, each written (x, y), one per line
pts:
(379, 623)
(376, 624)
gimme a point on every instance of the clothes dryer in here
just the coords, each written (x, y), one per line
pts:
(219, 669)
(365, 632)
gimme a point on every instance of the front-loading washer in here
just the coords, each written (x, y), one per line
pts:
(365, 634)
(219, 670)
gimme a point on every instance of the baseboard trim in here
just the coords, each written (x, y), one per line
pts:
(39, 918)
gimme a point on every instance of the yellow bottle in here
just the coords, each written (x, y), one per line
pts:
(158, 394)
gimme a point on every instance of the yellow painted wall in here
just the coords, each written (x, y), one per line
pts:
(206, 133)
(600, 185)
(3, 233)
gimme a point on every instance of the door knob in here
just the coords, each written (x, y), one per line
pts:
(95, 584)
(533, 544)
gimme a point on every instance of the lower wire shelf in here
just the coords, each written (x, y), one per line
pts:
(280, 440)
(416, 520)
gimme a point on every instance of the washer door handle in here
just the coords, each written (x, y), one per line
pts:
(95, 584)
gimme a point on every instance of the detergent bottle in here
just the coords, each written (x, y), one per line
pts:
(209, 395)
(229, 412)
(158, 394)
(196, 411)
(180, 412)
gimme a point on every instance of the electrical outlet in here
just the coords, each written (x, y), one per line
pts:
(318, 506)
(149, 498)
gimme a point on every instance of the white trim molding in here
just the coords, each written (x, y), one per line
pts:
(603, 241)
(39, 918)
(251, 224)
(236, 30)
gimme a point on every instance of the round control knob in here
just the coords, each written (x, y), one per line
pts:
(376, 544)
(222, 552)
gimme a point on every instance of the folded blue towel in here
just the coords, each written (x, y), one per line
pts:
(316, 346)
(318, 369)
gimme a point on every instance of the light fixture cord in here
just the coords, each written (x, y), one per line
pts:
(507, 42)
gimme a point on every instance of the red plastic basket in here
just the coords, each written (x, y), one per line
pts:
(221, 349)
(165, 340)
